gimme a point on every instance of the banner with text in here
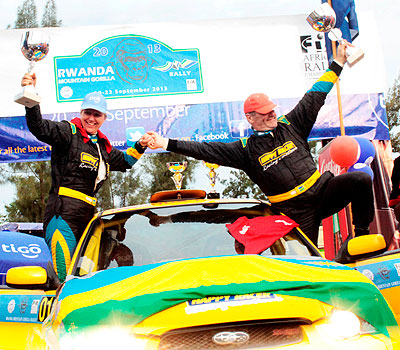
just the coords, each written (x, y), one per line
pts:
(172, 78)
(127, 66)
(222, 122)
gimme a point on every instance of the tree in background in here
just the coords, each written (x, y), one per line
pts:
(49, 18)
(239, 185)
(32, 181)
(26, 15)
(105, 199)
(393, 114)
(122, 189)
(127, 187)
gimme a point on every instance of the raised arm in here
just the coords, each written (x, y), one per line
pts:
(228, 154)
(304, 114)
(53, 133)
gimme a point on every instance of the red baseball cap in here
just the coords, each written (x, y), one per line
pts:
(259, 103)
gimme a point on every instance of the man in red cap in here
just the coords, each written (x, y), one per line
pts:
(261, 104)
(277, 158)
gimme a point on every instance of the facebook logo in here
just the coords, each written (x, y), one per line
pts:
(239, 128)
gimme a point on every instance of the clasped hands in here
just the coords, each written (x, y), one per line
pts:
(153, 140)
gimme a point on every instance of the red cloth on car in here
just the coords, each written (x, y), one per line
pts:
(260, 233)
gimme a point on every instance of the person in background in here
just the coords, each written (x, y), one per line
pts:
(394, 199)
(277, 158)
(81, 159)
(113, 249)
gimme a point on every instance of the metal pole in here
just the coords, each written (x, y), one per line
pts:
(339, 98)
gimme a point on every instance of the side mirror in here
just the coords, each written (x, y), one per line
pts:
(32, 277)
(27, 277)
(361, 247)
(366, 244)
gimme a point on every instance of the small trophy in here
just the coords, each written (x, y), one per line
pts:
(34, 46)
(323, 19)
(212, 175)
(177, 168)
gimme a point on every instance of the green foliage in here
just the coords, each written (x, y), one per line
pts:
(121, 190)
(26, 15)
(104, 197)
(32, 181)
(156, 175)
(239, 185)
(136, 186)
(393, 114)
(3, 219)
(49, 18)
(129, 189)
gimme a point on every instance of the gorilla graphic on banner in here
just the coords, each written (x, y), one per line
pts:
(130, 61)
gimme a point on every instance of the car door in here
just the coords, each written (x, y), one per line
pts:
(22, 312)
(24, 306)
(384, 271)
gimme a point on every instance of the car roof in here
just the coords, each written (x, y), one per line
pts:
(179, 203)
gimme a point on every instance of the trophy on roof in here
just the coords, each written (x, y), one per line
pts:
(177, 168)
(212, 176)
(34, 47)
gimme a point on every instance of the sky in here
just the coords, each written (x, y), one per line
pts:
(74, 13)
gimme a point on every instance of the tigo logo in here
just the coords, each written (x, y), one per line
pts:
(31, 251)
(95, 99)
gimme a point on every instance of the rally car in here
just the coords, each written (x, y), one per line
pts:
(187, 272)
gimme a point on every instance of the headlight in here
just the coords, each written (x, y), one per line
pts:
(102, 338)
(344, 324)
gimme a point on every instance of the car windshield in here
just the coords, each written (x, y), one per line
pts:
(159, 234)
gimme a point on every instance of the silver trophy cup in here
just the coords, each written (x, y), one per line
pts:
(323, 19)
(34, 47)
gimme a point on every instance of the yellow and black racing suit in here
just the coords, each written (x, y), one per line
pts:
(280, 163)
(75, 161)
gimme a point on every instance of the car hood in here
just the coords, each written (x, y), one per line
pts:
(132, 294)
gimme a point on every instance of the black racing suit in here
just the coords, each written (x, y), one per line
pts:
(280, 160)
(74, 169)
